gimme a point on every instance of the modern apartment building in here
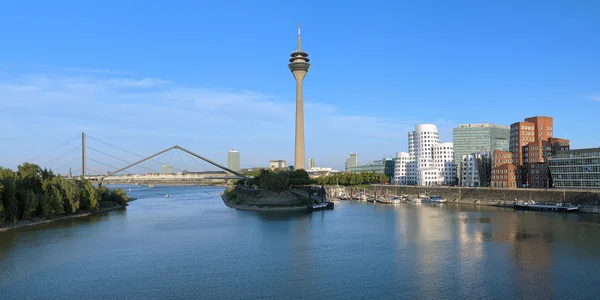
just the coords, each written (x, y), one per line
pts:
(277, 164)
(402, 166)
(311, 163)
(476, 169)
(166, 169)
(478, 138)
(443, 160)
(427, 162)
(577, 168)
(352, 161)
(233, 160)
(531, 143)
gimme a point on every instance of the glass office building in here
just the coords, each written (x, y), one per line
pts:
(578, 168)
(385, 166)
(479, 138)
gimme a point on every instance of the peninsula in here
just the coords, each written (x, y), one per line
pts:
(268, 190)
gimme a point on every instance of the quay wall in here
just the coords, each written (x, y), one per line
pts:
(480, 195)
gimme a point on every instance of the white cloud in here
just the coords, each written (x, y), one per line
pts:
(593, 97)
(147, 114)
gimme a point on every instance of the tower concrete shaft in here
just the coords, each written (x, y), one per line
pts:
(299, 66)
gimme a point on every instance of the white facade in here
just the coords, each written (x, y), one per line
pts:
(401, 168)
(444, 162)
(468, 168)
(427, 162)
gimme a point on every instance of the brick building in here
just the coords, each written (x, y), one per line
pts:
(531, 143)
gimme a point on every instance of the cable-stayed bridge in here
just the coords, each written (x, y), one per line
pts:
(95, 159)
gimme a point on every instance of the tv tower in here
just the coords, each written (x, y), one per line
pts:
(299, 66)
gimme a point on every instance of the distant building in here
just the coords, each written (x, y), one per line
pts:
(233, 160)
(277, 164)
(311, 163)
(385, 166)
(166, 169)
(351, 162)
(476, 169)
(428, 162)
(577, 168)
(478, 138)
(531, 143)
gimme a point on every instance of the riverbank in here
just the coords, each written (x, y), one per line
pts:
(27, 223)
(479, 195)
(264, 201)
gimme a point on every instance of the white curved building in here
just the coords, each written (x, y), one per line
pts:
(444, 162)
(401, 168)
(427, 162)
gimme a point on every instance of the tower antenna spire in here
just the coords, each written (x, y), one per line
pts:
(299, 42)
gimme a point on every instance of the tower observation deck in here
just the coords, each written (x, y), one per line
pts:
(299, 65)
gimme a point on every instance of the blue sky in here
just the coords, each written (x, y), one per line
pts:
(212, 75)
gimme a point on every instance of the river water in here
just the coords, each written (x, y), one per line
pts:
(191, 246)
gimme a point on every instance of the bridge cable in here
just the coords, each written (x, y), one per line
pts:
(118, 158)
(62, 155)
(99, 173)
(195, 160)
(156, 160)
(69, 163)
(101, 163)
(54, 148)
(180, 158)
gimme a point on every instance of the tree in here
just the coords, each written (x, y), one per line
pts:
(275, 181)
(9, 196)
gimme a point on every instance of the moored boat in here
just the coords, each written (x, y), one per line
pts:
(556, 207)
(434, 199)
(320, 206)
(383, 200)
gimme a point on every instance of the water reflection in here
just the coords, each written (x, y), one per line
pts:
(191, 246)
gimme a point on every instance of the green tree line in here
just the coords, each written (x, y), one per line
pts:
(353, 179)
(278, 180)
(32, 192)
(281, 180)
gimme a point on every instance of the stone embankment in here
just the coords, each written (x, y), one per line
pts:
(485, 196)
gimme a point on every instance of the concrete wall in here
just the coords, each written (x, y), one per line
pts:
(484, 195)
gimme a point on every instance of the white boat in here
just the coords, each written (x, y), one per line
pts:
(383, 200)
(558, 207)
(320, 206)
(415, 200)
(434, 199)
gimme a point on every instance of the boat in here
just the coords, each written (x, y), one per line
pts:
(371, 199)
(320, 206)
(150, 186)
(434, 199)
(396, 200)
(344, 196)
(415, 200)
(557, 207)
(383, 200)
(167, 196)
